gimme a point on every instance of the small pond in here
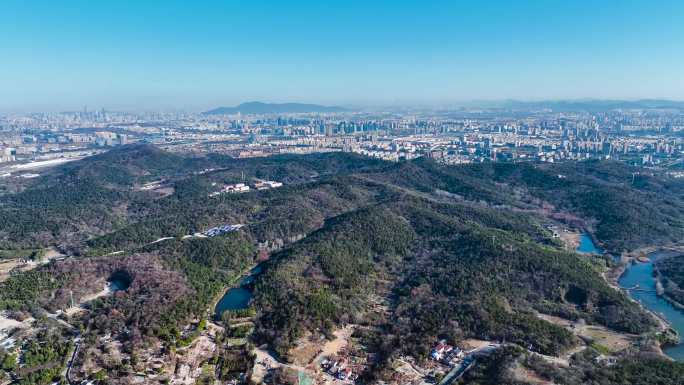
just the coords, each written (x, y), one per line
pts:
(239, 297)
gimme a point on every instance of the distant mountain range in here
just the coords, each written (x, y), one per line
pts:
(273, 108)
(573, 105)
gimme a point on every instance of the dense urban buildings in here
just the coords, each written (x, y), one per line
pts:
(639, 135)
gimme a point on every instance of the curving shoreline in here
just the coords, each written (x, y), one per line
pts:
(670, 336)
(651, 301)
(613, 280)
(235, 280)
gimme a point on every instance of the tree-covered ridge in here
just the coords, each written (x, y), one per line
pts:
(274, 216)
(626, 206)
(471, 280)
(97, 197)
(453, 272)
(671, 271)
(326, 278)
(83, 198)
(412, 251)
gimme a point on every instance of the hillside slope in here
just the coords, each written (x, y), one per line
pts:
(408, 252)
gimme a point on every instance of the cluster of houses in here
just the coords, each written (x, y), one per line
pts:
(243, 188)
(231, 188)
(338, 368)
(206, 170)
(267, 184)
(446, 354)
(606, 360)
(218, 230)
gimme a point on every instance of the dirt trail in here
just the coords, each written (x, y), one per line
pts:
(79, 307)
(471, 344)
(333, 347)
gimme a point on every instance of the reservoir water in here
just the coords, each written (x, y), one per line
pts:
(587, 246)
(642, 274)
(234, 299)
(238, 297)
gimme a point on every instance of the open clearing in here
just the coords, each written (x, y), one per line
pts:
(612, 340)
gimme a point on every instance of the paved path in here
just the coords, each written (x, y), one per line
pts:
(468, 362)
(77, 342)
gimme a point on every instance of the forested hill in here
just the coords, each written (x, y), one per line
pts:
(106, 193)
(624, 207)
(414, 251)
(456, 272)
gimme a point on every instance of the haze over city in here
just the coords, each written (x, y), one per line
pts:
(178, 55)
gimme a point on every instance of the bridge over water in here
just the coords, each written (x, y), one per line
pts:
(638, 288)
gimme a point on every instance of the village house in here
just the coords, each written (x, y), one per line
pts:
(267, 184)
(440, 349)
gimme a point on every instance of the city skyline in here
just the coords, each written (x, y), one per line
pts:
(177, 56)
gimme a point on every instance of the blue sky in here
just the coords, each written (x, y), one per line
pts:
(193, 55)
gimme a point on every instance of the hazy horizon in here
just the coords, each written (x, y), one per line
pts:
(475, 103)
(174, 55)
